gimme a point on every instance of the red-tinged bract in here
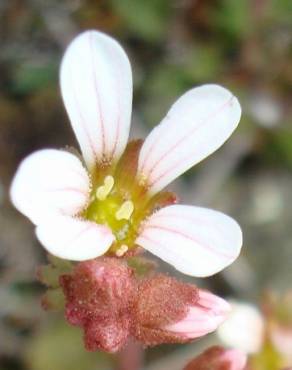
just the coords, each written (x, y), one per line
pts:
(161, 300)
(111, 303)
(99, 298)
(169, 311)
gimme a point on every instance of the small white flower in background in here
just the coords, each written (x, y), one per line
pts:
(111, 201)
(265, 109)
(282, 340)
(243, 329)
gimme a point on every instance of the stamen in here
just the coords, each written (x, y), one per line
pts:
(103, 191)
(122, 250)
(125, 211)
(142, 180)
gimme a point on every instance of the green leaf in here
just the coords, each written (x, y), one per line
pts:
(278, 146)
(162, 87)
(48, 275)
(146, 19)
(59, 263)
(29, 78)
(53, 300)
(203, 63)
(233, 18)
(59, 346)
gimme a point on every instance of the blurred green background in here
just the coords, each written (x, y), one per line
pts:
(173, 45)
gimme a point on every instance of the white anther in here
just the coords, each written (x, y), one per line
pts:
(125, 211)
(103, 191)
(122, 250)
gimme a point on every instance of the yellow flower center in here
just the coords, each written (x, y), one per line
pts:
(120, 201)
(109, 207)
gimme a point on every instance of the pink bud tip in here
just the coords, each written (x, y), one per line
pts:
(161, 301)
(203, 317)
(169, 311)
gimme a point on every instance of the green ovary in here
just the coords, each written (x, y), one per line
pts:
(108, 207)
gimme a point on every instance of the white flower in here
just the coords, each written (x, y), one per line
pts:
(113, 202)
(244, 329)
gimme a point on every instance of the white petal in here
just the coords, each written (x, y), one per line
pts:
(196, 125)
(74, 239)
(50, 182)
(246, 320)
(96, 85)
(196, 241)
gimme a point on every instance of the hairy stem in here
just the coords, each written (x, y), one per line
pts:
(131, 357)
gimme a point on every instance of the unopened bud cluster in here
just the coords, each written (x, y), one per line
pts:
(112, 303)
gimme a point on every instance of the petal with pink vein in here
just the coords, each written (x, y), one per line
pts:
(74, 239)
(195, 126)
(196, 241)
(48, 183)
(96, 85)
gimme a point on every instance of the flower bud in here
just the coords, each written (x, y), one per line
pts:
(168, 311)
(203, 318)
(218, 358)
(99, 295)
